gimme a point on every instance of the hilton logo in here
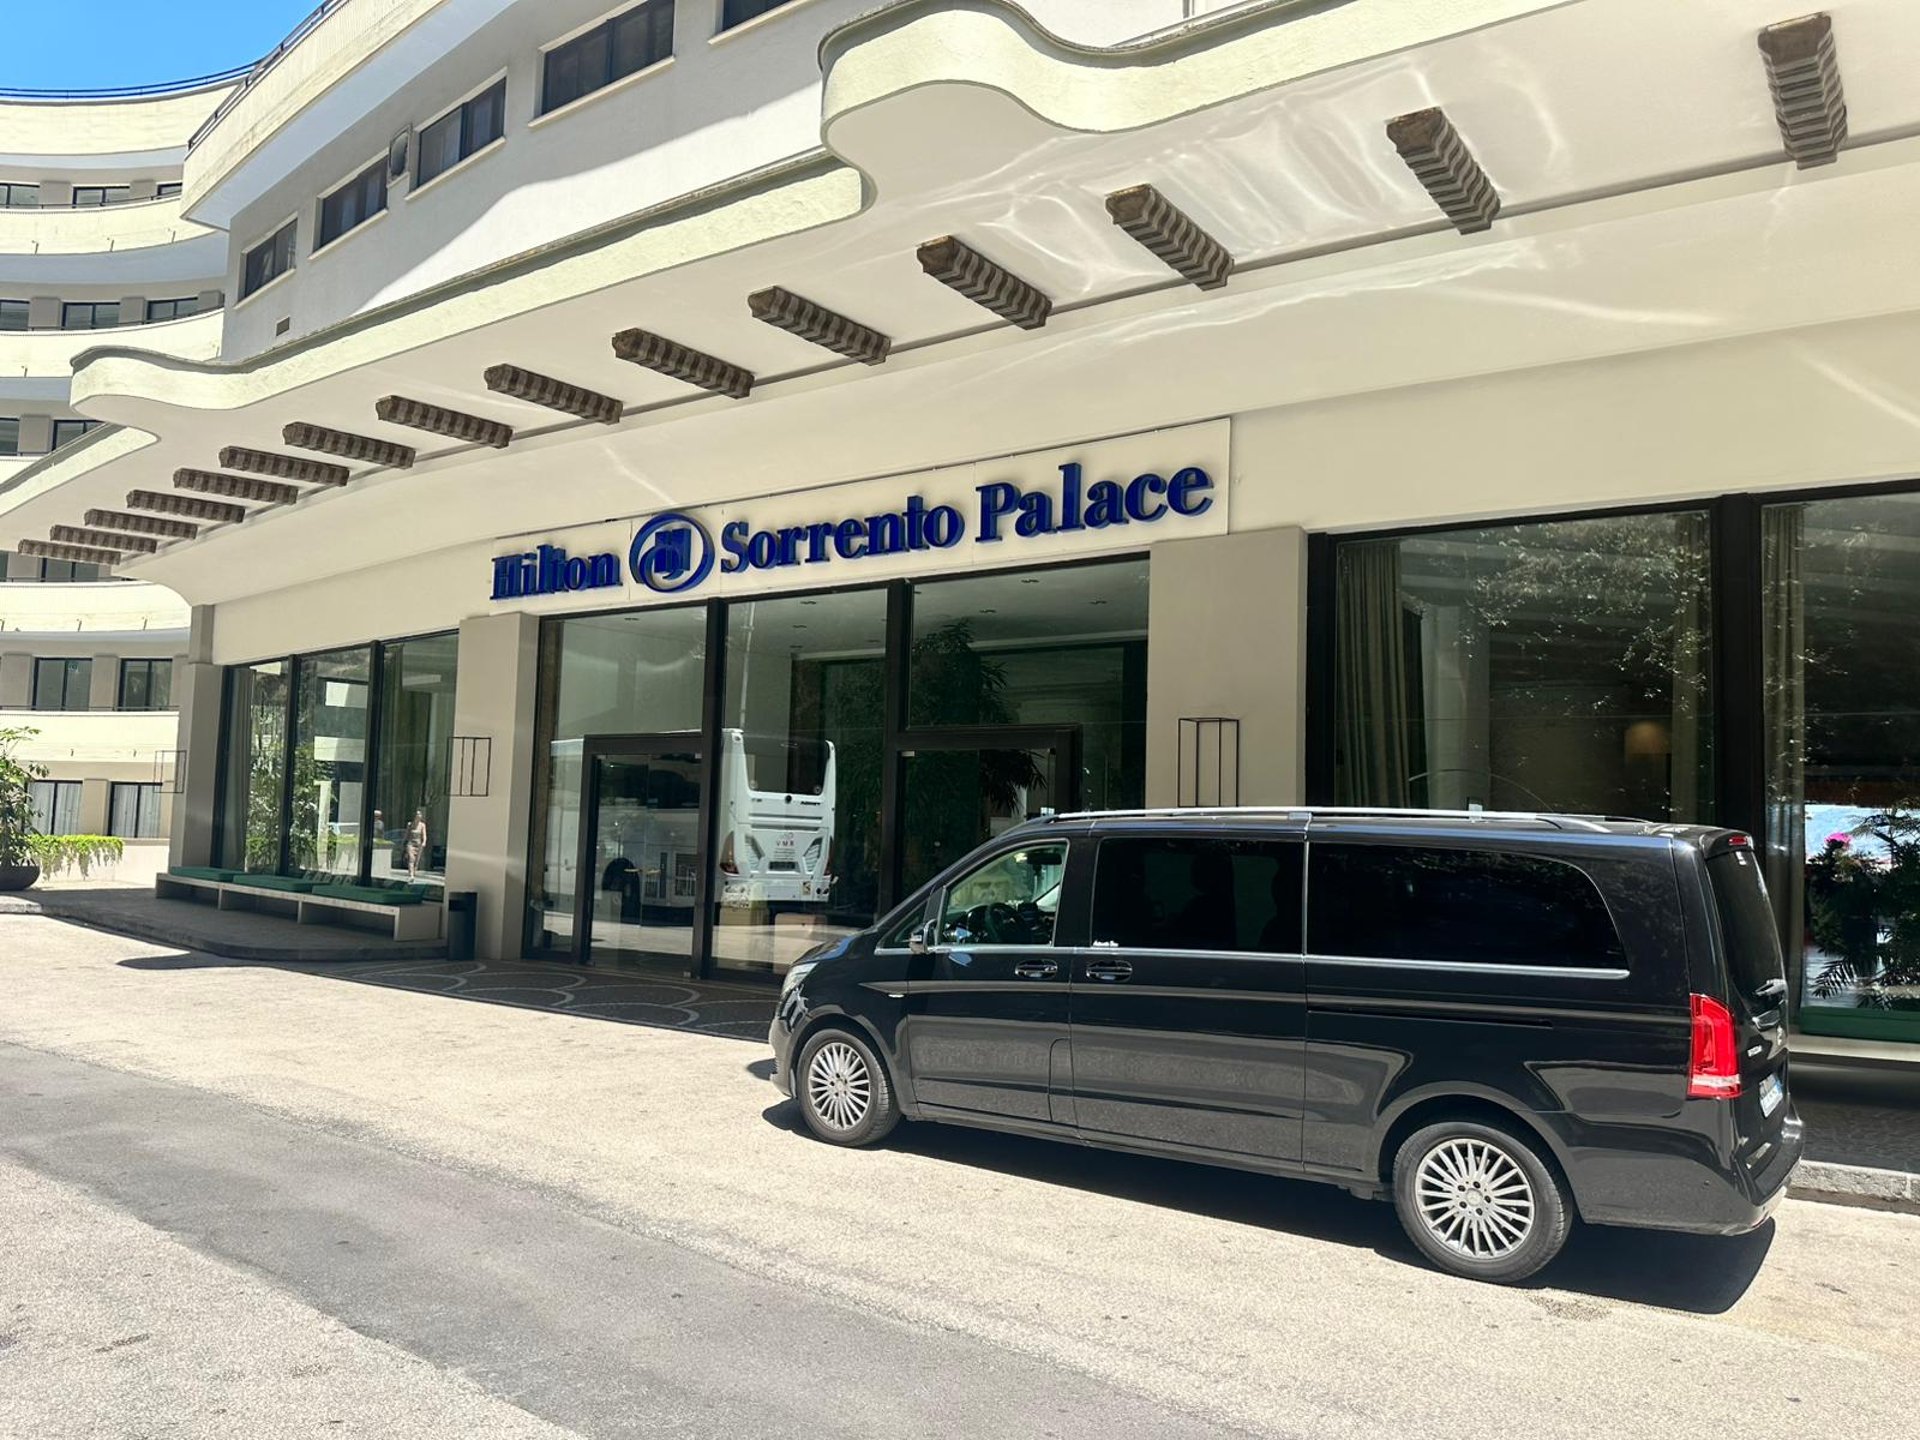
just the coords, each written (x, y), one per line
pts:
(551, 571)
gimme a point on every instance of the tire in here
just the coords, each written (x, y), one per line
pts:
(1479, 1201)
(844, 1091)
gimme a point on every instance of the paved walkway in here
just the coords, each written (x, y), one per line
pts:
(238, 934)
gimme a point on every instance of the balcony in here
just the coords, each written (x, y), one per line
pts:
(49, 354)
(96, 229)
(91, 610)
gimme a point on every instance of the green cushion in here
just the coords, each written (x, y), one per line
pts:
(291, 884)
(372, 894)
(201, 872)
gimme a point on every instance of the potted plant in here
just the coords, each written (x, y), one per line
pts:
(19, 865)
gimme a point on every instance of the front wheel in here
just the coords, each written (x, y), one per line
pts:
(1479, 1201)
(843, 1090)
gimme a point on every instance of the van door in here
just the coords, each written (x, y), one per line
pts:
(1755, 980)
(1188, 1007)
(987, 1001)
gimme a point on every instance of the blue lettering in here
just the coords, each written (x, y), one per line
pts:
(817, 536)
(886, 535)
(733, 540)
(1106, 505)
(844, 535)
(577, 574)
(506, 577)
(1140, 504)
(1190, 482)
(763, 551)
(944, 527)
(1036, 514)
(997, 501)
(1070, 497)
(604, 571)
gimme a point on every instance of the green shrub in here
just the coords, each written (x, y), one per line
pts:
(56, 854)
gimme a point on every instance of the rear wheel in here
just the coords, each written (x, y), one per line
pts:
(843, 1090)
(1479, 1201)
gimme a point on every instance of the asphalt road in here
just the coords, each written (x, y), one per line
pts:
(250, 1202)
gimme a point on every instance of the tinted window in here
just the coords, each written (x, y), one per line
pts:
(1198, 893)
(1397, 902)
(461, 131)
(627, 43)
(1747, 930)
(268, 260)
(13, 314)
(738, 12)
(1011, 900)
(360, 199)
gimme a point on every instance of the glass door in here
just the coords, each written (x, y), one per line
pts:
(640, 889)
(962, 787)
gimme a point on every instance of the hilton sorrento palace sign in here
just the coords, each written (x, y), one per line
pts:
(1102, 497)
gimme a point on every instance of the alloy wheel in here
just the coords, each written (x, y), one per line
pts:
(839, 1085)
(1474, 1198)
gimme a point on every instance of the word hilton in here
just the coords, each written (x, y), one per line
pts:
(1003, 507)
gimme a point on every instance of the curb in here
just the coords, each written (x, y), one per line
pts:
(1857, 1185)
(225, 949)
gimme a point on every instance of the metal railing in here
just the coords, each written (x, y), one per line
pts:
(251, 75)
(125, 92)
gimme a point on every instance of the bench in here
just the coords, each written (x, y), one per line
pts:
(405, 914)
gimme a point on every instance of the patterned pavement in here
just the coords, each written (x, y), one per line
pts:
(633, 997)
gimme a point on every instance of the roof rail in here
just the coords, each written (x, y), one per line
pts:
(1356, 811)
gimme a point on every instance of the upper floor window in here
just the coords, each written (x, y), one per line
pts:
(13, 314)
(100, 194)
(9, 434)
(173, 309)
(56, 807)
(60, 684)
(641, 37)
(269, 260)
(89, 314)
(65, 430)
(468, 127)
(22, 567)
(18, 197)
(146, 685)
(738, 12)
(360, 199)
(133, 810)
(166, 189)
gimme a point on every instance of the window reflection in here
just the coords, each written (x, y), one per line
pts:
(1561, 666)
(329, 763)
(1842, 670)
(410, 803)
(255, 756)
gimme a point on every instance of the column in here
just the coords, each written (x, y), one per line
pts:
(16, 680)
(487, 834)
(103, 688)
(1227, 636)
(197, 693)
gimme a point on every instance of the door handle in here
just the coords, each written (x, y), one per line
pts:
(1112, 971)
(1036, 969)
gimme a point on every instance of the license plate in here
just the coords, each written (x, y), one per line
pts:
(1772, 1092)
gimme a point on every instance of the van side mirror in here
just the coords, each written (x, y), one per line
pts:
(917, 941)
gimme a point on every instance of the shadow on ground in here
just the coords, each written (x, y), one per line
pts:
(1701, 1275)
(629, 997)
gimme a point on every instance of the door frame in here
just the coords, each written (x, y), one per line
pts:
(595, 748)
(1063, 740)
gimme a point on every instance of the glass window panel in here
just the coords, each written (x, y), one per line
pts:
(56, 807)
(797, 841)
(1841, 700)
(134, 811)
(9, 435)
(576, 68)
(1401, 902)
(439, 147)
(1057, 647)
(329, 762)
(89, 314)
(19, 197)
(254, 755)
(13, 314)
(1563, 666)
(485, 120)
(1013, 899)
(358, 200)
(69, 430)
(175, 309)
(1176, 893)
(642, 37)
(62, 684)
(636, 673)
(738, 12)
(410, 792)
(268, 260)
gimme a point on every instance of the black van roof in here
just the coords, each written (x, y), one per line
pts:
(1367, 818)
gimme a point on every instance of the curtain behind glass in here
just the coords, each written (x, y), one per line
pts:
(1784, 690)
(1370, 663)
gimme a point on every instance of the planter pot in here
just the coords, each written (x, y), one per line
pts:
(18, 877)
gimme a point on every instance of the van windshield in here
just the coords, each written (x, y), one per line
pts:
(1754, 964)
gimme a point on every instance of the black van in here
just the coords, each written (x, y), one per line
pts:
(1501, 1020)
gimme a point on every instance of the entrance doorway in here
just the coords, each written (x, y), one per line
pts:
(963, 786)
(641, 888)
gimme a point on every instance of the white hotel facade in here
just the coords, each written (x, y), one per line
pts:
(932, 411)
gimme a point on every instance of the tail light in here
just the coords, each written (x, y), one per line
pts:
(727, 865)
(1714, 1072)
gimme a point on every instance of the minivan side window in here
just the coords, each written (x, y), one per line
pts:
(1193, 892)
(1404, 902)
(1013, 899)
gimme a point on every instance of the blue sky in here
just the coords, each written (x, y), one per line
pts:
(88, 44)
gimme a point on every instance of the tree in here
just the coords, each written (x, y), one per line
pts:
(17, 825)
